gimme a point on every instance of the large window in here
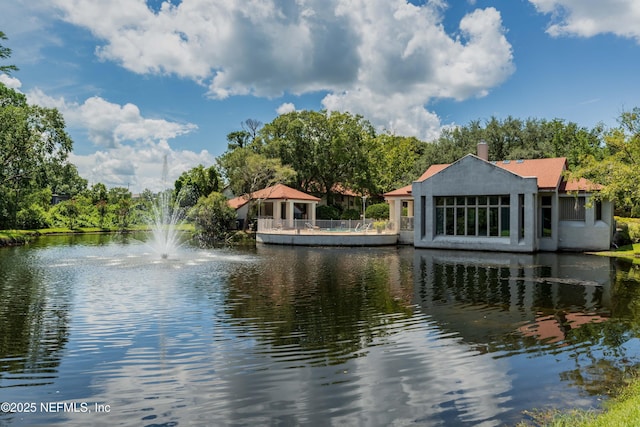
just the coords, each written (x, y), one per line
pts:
(572, 208)
(473, 216)
(545, 216)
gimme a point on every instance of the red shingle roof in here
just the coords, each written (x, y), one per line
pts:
(404, 191)
(549, 173)
(276, 192)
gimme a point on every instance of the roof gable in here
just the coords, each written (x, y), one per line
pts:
(276, 192)
(549, 172)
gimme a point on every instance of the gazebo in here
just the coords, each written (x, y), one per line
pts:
(281, 203)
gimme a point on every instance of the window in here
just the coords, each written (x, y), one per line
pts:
(423, 209)
(473, 216)
(521, 216)
(572, 209)
(545, 216)
(598, 208)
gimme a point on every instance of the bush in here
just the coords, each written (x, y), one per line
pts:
(621, 236)
(350, 214)
(327, 212)
(634, 232)
(378, 211)
(213, 218)
(32, 217)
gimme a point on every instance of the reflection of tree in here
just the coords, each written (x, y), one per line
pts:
(323, 303)
(627, 292)
(33, 330)
(522, 306)
(601, 362)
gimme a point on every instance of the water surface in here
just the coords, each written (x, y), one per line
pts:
(306, 336)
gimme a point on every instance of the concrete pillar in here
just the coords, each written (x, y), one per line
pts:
(312, 214)
(397, 214)
(277, 212)
(290, 213)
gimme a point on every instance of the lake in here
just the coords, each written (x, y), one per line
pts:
(99, 330)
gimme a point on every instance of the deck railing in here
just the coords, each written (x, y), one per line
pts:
(266, 225)
(406, 223)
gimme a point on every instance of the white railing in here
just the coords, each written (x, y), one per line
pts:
(406, 223)
(270, 225)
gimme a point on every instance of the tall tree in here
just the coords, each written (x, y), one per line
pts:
(619, 170)
(245, 137)
(238, 139)
(397, 161)
(33, 141)
(251, 126)
(248, 172)
(197, 182)
(5, 53)
(323, 148)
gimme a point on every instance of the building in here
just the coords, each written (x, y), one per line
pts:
(515, 206)
(281, 203)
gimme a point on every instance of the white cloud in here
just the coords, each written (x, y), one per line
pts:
(10, 82)
(131, 147)
(108, 124)
(361, 52)
(285, 108)
(587, 18)
(138, 167)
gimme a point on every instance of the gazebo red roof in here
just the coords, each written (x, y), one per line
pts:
(275, 192)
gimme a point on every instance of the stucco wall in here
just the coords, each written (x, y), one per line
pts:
(471, 176)
(590, 234)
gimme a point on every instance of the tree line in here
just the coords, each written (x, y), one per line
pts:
(315, 151)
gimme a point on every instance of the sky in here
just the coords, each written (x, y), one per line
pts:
(140, 80)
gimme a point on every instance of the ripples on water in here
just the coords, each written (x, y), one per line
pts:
(303, 335)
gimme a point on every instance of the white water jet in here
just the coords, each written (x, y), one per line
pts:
(166, 218)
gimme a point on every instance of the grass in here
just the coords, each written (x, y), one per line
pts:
(19, 237)
(14, 237)
(621, 411)
(628, 252)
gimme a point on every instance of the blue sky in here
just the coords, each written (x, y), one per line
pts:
(139, 80)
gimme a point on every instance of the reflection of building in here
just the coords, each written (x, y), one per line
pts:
(483, 295)
(554, 327)
(515, 206)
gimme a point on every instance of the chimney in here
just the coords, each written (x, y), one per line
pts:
(483, 150)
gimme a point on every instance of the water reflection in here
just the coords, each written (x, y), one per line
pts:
(317, 336)
(483, 295)
(34, 317)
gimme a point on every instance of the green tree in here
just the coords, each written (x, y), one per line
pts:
(195, 183)
(32, 141)
(63, 179)
(247, 171)
(397, 161)
(5, 53)
(212, 217)
(619, 171)
(120, 205)
(324, 149)
(70, 209)
(98, 192)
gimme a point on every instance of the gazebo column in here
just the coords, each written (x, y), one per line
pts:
(290, 214)
(410, 207)
(312, 214)
(397, 214)
(277, 212)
